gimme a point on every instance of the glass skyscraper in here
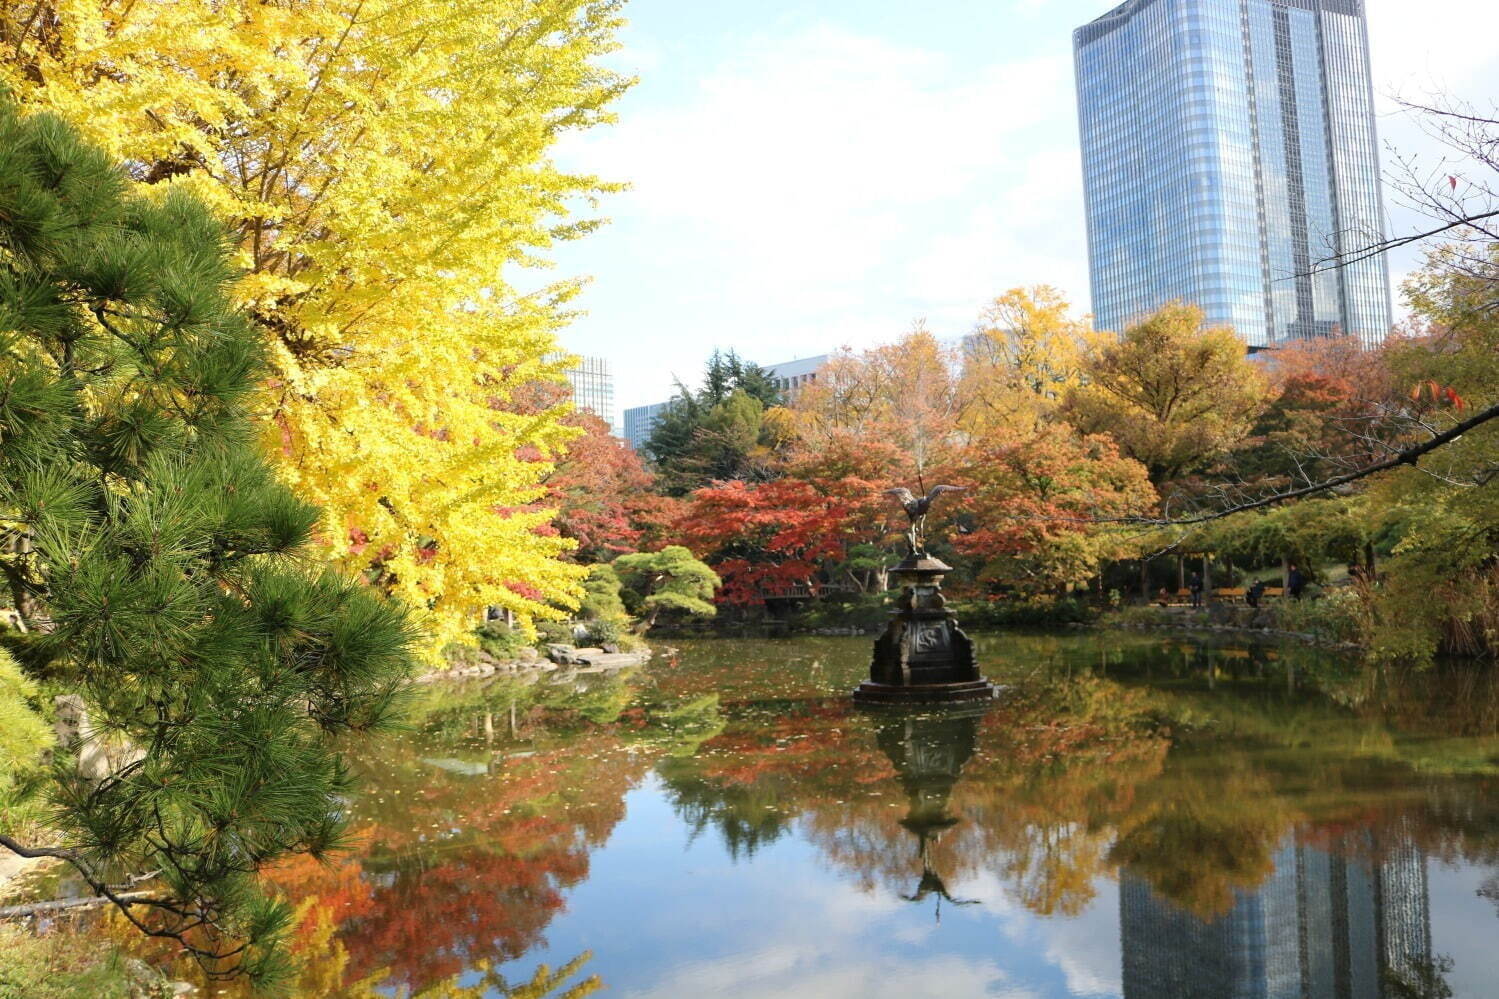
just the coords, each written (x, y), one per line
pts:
(593, 387)
(1322, 926)
(1228, 145)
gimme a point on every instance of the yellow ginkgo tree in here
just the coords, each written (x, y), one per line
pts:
(386, 168)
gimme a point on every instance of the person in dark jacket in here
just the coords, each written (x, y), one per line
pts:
(1256, 591)
(1196, 587)
(1295, 582)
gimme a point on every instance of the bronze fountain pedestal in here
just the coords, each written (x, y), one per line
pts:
(923, 657)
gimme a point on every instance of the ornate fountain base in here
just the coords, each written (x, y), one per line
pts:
(885, 694)
(923, 657)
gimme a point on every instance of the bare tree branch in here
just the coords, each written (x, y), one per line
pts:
(1338, 261)
(1408, 456)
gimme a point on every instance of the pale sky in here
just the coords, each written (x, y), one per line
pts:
(809, 174)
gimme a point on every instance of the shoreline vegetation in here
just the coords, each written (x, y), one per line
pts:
(1260, 624)
(1321, 620)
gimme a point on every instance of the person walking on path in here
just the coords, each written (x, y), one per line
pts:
(1196, 587)
(1295, 582)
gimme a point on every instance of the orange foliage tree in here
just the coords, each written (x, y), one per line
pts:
(603, 493)
(1031, 499)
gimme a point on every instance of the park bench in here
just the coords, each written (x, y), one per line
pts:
(1272, 592)
(1229, 594)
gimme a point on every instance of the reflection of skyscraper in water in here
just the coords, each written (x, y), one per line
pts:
(1323, 926)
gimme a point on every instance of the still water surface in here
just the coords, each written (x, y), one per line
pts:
(1139, 817)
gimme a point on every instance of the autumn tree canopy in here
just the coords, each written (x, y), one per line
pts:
(604, 496)
(1171, 391)
(1022, 358)
(385, 168)
(988, 417)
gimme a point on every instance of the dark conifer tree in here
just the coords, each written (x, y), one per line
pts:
(164, 566)
(709, 434)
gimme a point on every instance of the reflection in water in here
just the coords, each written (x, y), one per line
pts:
(1345, 923)
(928, 752)
(1141, 818)
(1323, 926)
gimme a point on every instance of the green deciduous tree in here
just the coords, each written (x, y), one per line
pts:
(162, 562)
(1442, 587)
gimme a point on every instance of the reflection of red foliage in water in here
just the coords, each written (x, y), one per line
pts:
(337, 886)
(431, 923)
(815, 746)
(452, 869)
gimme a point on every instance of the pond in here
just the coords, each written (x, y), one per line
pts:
(1140, 817)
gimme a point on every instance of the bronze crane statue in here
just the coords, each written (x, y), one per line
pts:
(917, 507)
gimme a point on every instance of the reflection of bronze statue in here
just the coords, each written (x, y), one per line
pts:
(931, 881)
(928, 751)
(917, 507)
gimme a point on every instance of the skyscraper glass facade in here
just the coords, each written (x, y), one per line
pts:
(1321, 926)
(1228, 147)
(641, 420)
(593, 387)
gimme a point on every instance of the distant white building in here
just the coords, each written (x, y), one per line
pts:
(788, 376)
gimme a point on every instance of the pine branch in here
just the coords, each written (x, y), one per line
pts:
(123, 901)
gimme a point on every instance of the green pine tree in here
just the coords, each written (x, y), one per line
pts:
(165, 569)
(671, 579)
